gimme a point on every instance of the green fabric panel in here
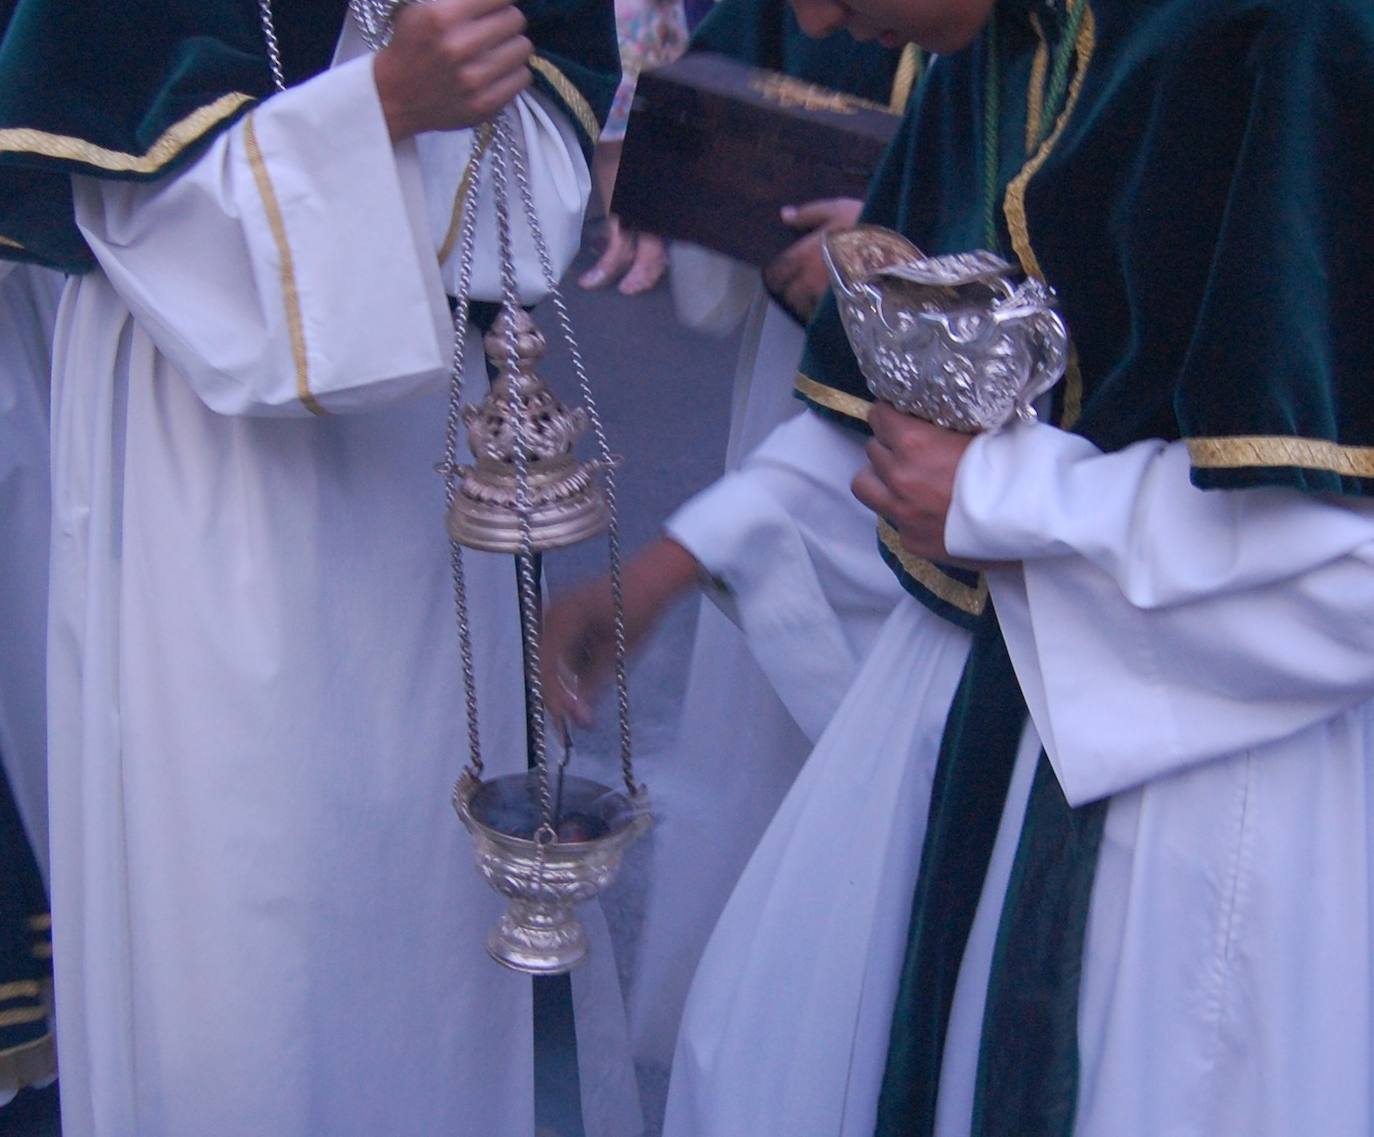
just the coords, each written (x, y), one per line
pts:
(118, 75)
(970, 787)
(765, 33)
(1028, 1065)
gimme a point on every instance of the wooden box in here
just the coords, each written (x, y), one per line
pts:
(715, 149)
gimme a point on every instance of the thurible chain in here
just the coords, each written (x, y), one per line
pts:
(453, 425)
(502, 146)
(608, 465)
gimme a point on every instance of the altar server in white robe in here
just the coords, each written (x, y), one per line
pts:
(742, 738)
(266, 917)
(1144, 906)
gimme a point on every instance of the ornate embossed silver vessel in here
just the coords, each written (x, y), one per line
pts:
(564, 503)
(545, 874)
(965, 341)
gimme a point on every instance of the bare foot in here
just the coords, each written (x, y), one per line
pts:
(650, 261)
(615, 259)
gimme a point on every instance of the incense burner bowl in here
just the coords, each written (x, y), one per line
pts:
(545, 874)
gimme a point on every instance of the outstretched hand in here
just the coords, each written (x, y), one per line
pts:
(451, 64)
(578, 640)
(797, 275)
(910, 478)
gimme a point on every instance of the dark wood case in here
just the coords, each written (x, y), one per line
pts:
(715, 149)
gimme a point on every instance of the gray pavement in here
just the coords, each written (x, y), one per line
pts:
(664, 394)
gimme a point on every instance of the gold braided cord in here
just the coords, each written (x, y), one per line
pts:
(841, 402)
(908, 71)
(1035, 98)
(455, 223)
(970, 600)
(574, 99)
(291, 296)
(172, 141)
(1261, 451)
(1015, 202)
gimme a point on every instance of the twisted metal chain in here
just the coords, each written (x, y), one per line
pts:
(374, 19)
(453, 425)
(608, 465)
(503, 145)
(269, 33)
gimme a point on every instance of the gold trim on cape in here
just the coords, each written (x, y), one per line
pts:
(1014, 204)
(1035, 99)
(574, 99)
(1264, 451)
(908, 71)
(970, 600)
(172, 141)
(851, 406)
(290, 292)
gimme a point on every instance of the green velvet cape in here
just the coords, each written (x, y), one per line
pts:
(765, 33)
(1203, 211)
(135, 89)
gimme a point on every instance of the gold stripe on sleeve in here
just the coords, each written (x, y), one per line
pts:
(971, 600)
(290, 292)
(172, 141)
(41, 923)
(20, 989)
(1262, 451)
(851, 406)
(574, 99)
(6, 242)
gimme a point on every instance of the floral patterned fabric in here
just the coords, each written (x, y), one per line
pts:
(652, 33)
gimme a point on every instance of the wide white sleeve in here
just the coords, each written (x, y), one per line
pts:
(796, 556)
(1154, 625)
(293, 268)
